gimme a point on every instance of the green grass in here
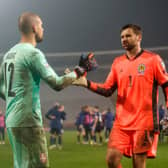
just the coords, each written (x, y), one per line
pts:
(83, 156)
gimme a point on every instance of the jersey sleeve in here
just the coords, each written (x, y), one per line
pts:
(40, 66)
(2, 84)
(108, 87)
(161, 76)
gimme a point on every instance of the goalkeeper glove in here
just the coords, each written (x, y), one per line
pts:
(82, 81)
(80, 71)
(88, 62)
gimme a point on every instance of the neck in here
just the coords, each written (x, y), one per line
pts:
(28, 39)
(133, 53)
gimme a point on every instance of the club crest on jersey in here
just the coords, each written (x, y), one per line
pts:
(46, 65)
(141, 69)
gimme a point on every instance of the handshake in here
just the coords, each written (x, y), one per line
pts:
(87, 63)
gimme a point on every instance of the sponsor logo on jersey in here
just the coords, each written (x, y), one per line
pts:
(46, 65)
(141, 69)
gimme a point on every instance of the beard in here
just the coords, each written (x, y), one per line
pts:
(128, 47)
(38, 38)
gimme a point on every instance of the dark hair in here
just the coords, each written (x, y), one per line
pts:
(96, 107)
(137, 29)
(84, 107)
(108, 109)
(26, 21)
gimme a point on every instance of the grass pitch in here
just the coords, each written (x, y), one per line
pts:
(83, 156)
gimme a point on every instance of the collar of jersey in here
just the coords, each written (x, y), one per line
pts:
(136, 55)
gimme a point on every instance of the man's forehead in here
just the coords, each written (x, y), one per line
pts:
(127, 31)
(38, 19)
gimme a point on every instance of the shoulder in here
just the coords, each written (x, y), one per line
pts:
(37, 53)
(28, 52)
(27, 48)
(120, 58)
(154, 59)
(151, 54)
(36, 57)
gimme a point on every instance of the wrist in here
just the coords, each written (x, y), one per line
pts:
(79, 71)
(88, 83)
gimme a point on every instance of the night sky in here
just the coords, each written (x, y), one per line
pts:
(83, 25)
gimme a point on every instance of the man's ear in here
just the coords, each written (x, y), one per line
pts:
(33, 29)
(140, 37)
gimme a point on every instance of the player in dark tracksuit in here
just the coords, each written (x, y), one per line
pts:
(56, 115)
(79, 125)
(88, 124)
(98, 120)
(108, 120)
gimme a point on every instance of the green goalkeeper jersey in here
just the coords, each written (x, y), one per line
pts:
(21, 70)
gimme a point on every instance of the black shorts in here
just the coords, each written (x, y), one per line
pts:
(99, 128)
(55, 131)
(79, 129)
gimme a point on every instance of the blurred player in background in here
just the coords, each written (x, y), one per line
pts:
(61, 109)
(87, 124)
(161, 117)
(98, 125)
(79, 125)
(56, 115)
(164, 124)
(108, 123)
(136, 76)
(2, 128)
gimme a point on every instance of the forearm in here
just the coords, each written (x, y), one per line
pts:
(101, 89)
(60, 82)
(105, 89)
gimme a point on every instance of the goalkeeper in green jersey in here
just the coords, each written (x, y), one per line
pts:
(21, 70)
